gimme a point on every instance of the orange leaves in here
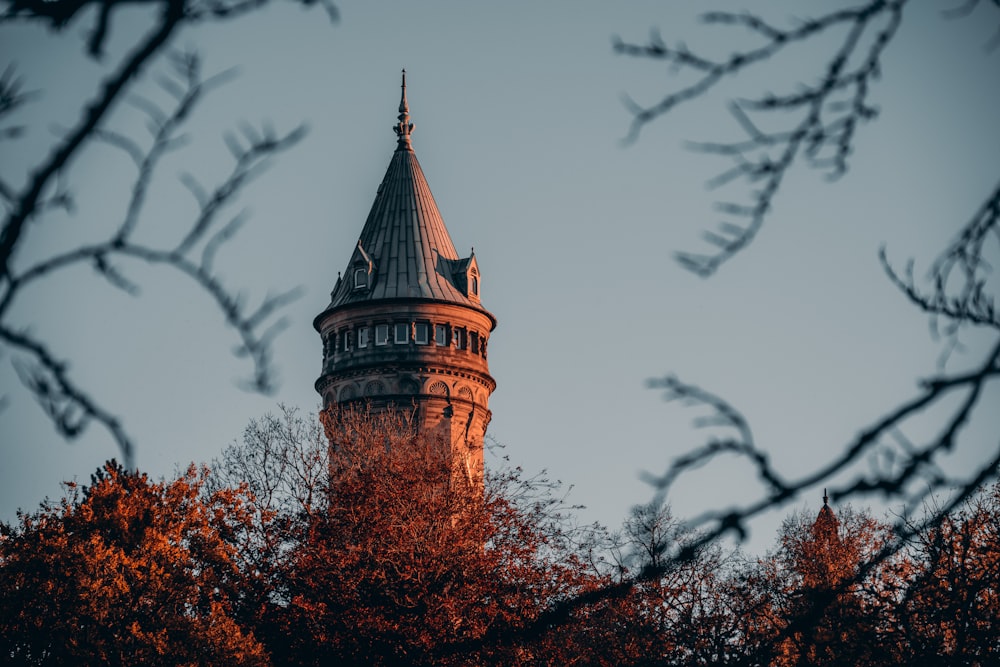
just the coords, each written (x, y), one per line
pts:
(413, 561)
(128, 571)
(376, 551)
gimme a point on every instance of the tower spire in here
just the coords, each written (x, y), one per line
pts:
(826, 499)
(404, 127)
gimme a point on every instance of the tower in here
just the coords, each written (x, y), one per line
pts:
(405, 327)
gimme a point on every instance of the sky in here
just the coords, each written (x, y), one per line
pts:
(519, 129)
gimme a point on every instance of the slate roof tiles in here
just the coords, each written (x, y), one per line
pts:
(404, 242)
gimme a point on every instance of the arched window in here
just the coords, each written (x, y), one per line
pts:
(475, 285)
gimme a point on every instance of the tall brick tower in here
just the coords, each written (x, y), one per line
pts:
(405, 327)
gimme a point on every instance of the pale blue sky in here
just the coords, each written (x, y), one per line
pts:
(519, 124)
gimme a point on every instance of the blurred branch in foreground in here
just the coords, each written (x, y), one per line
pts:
(44, 371)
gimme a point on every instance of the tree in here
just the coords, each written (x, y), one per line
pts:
(370, 545)
(831, 605)
(394, 556)
(126, 571)
(192, 252)
(678, 611)
(951, 610)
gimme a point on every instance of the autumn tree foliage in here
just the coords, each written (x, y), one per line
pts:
(126, 571)
(823, 597)
(951, 610)
(677, 610)
(362, 541)
(413, 562)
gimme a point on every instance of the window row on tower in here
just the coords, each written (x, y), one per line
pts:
(384, 334)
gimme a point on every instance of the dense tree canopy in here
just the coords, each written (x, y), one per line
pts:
(379, 550)
(126, 571)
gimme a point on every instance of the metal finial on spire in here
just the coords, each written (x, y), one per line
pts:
(826, 500)
(404, 127)
(403, 106)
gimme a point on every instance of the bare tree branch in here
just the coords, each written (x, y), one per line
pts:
(70, 407)
(94, 113)
(828, 112)
(960, 277)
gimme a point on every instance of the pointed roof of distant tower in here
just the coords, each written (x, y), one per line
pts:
(405, 251)
(826, 522)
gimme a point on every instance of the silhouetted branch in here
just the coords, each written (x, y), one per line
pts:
(959, 277)
(907, 472)
(908, 467)
(250, 161)
(94, 113)
(69, 407)
(722, 415)
(11, 98)
(824, 115)
(817, 122)
(67, 404)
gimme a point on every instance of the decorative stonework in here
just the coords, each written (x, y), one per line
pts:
(374, 388)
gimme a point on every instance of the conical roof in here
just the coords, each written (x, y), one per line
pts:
(826, 525)
(405, 251)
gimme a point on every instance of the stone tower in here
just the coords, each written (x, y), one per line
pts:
(405, 327)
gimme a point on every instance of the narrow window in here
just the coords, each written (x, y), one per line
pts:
(347, 340)
(474, 342)
(441, 334)
(381, 334)
(475, 285)
(363, 337)
(402, 333)
(420, 333)
(460, 339)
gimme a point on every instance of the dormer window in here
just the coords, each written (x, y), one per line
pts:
(361, 270)
(469, 277)
(360, 278)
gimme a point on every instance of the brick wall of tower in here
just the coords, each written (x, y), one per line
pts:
(438, 368)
